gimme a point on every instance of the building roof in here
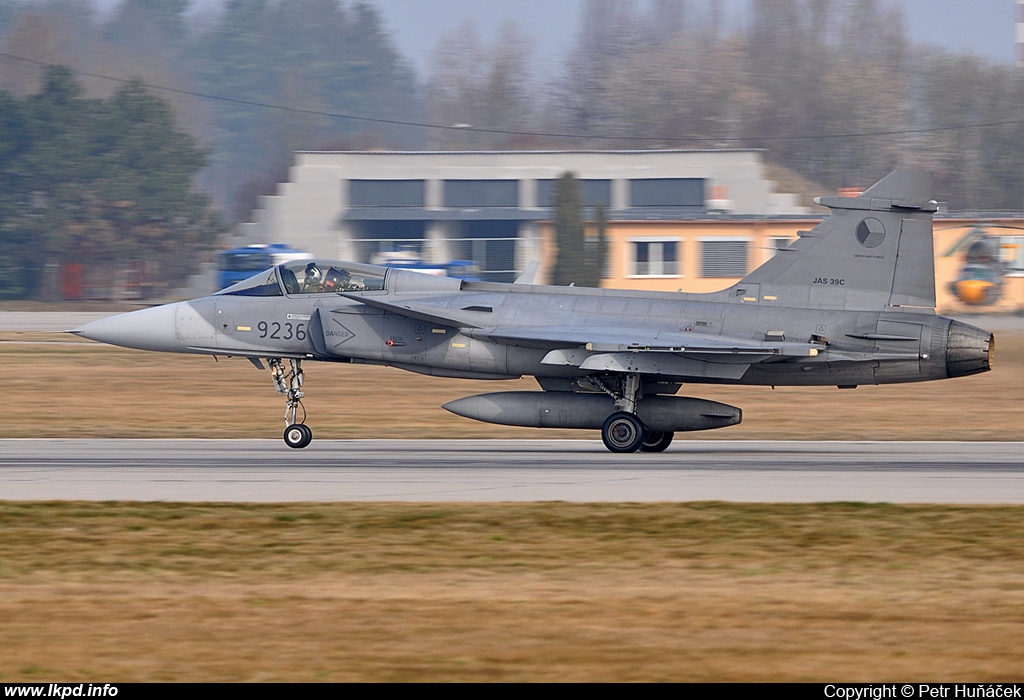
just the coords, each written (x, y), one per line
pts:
(542, 152)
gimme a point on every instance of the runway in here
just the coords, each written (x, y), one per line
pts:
(506, 470)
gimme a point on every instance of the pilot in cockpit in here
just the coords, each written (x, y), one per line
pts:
(313, 281)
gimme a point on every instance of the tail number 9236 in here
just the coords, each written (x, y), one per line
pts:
(281, 331)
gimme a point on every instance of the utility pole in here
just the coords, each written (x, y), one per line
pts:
(1020, 61)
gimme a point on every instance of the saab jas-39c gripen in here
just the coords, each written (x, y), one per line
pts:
(850, 302)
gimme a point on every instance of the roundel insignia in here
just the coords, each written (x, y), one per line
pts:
(870, 233)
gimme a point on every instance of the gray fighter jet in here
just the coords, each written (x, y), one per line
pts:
(850, 302)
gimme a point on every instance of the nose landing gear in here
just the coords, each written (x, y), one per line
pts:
(289, 382)
(297, 435)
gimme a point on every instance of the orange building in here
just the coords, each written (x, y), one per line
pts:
(708, 254)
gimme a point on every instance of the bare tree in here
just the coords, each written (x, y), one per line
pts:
(610, 31)
(474, 86)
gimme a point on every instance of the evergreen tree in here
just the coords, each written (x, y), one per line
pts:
(16, 264)
(94, 181)
(581, 259)
(149, 26)
(600, 246)
(570, 263)
(317, 55)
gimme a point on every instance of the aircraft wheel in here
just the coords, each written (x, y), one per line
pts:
(297, 435)
(656, 442)
(622, 432)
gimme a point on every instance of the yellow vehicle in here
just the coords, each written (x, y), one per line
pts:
(978, 284)
(988, 259)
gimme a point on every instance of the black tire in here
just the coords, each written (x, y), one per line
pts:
(656, 442)
(297, 435)
(622, 432)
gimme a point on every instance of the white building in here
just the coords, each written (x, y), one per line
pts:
(485, 206)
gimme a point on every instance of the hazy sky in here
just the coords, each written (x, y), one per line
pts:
(983, 27)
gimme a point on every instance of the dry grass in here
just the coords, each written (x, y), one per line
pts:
(345, 592)
(495, 591)
(83, 389)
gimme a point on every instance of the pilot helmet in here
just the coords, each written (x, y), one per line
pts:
(313, 273)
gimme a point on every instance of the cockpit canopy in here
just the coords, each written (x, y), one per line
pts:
(330, 276)
(311, 277)
(262, 284)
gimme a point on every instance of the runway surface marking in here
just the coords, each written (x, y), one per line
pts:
(508, 470)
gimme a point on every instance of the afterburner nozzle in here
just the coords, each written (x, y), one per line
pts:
(969, 350)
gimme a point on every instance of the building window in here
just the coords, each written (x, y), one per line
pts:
(667, 192)
(1012, 254)
(594, 192)
(462, 194)
(655, 258)
(386, 193)
(724, 257)
(777, 243)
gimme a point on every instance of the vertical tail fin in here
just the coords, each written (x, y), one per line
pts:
(872, 252)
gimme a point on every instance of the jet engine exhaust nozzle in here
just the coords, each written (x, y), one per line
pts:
(969, 350)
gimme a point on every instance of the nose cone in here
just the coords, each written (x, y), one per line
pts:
(146, 329)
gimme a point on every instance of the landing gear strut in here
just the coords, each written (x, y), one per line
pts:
(623, 431)
(289, 382)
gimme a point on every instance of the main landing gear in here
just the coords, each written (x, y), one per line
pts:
(623, 431)
(656, 442)
(289, 382)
